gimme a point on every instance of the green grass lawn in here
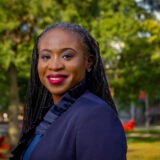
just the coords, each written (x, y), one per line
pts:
(143, 148)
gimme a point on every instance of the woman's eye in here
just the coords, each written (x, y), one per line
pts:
(45, 57)
(67, 56)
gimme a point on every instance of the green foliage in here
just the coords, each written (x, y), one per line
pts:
(128, 36)
(4, 91)
(142, 139)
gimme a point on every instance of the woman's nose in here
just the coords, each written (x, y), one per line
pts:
(55, 64)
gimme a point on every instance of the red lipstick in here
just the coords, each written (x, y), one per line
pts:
(56, 78)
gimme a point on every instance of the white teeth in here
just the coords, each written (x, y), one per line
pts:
(55, 78)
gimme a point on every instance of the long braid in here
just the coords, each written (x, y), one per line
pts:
(98, 83)
(38, 99)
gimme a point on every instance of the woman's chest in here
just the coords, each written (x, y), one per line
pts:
(59, 142)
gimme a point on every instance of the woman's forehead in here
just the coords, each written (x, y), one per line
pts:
(59, 38)
(66, 34)
(68, 30)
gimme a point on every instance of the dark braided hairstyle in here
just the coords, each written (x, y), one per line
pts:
(39, 100)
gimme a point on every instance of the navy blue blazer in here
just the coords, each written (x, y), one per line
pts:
(88, 130)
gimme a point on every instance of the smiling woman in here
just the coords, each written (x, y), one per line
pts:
(62, 62)
(69, 113)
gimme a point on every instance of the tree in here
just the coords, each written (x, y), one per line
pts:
(20, 22)
(129, 36)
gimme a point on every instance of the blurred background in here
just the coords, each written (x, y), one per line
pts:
(128, 32)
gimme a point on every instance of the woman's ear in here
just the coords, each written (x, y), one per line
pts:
(90, 60)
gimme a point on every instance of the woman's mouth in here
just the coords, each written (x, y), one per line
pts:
(56, 78)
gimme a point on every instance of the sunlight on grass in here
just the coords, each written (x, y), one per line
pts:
(143, 149)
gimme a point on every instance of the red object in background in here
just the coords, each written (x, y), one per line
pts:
(129, 126)
(142, 95)
(3, 146)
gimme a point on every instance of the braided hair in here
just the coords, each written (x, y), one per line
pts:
(39, 100)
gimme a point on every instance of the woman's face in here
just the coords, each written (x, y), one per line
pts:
(62, 61)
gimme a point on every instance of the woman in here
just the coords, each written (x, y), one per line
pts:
(69, 114)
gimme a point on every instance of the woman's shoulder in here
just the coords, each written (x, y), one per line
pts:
(91, 110)
(89, 103)
(96, 125)
(91, 100)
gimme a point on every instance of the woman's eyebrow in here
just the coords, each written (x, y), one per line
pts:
(47, 50)
(67, 48)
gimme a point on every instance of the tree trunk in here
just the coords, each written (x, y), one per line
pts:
(147, 115)
(132, 111)
(13, 107)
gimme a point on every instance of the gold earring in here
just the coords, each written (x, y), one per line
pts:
(89, 69)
